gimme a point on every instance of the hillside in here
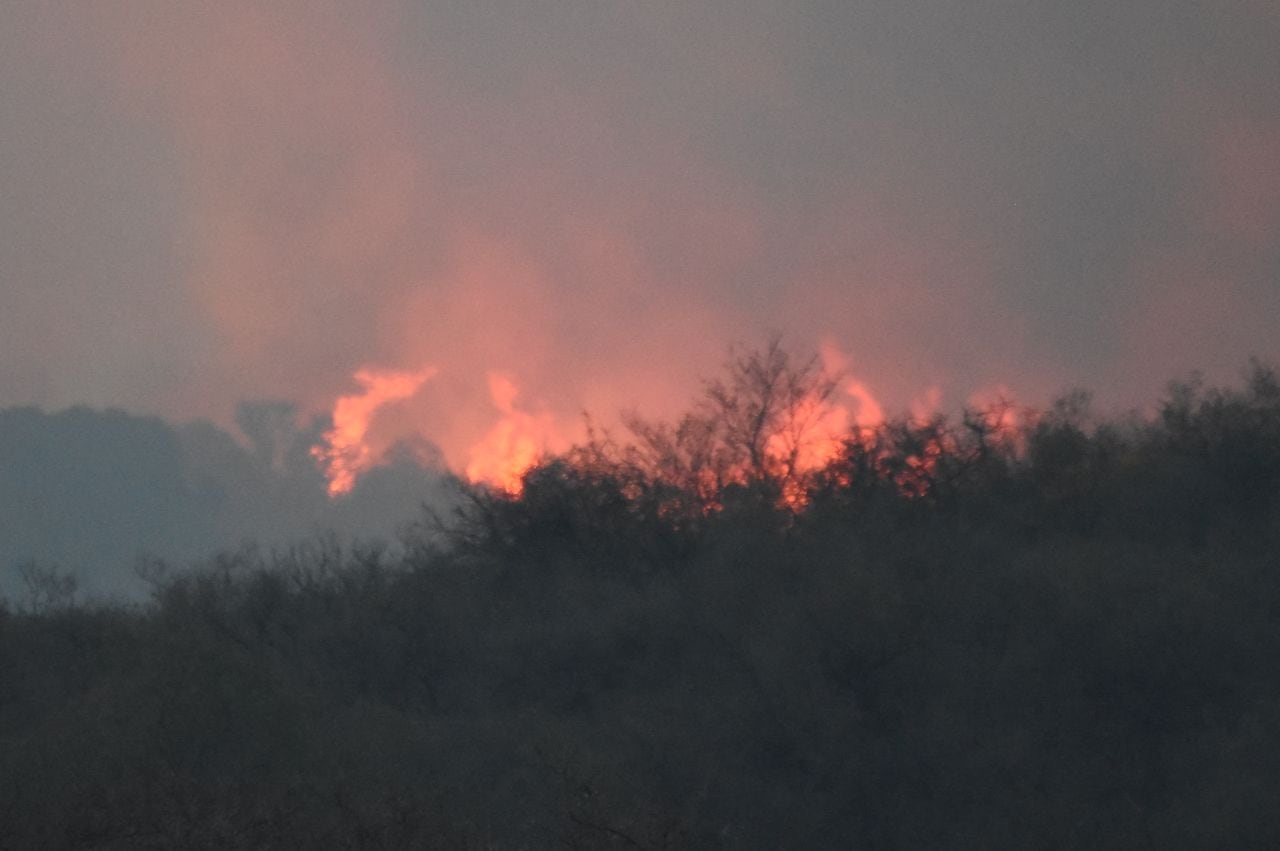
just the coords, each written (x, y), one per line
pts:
(947, 634)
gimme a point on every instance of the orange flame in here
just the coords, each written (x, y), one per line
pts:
(817, 428)
(813, 436)
(868, 412)
(816, 432)
(344, 454)
(514, 444)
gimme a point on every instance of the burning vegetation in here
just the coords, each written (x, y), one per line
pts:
(773, 420)
(768, 623)
(774, 423)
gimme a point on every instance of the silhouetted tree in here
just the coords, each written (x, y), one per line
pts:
(750, 428)
(971, 634)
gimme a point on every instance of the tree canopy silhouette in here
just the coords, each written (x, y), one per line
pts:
(1049, 629)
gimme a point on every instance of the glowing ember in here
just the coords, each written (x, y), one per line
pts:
(344, 454)
(514, 444)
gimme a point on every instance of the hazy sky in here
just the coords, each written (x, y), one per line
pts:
(205, 203)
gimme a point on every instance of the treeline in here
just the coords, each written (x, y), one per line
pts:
(1041, 631)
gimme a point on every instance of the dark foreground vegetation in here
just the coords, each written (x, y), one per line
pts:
(953, 634)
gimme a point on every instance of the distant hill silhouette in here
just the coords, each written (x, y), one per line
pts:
(90, 491)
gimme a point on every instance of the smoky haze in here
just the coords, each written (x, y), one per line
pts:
(587, 202)
(205, 206)
(98, 494)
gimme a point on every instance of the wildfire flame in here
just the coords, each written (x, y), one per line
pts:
(817, 428)
(344, 454)
(514, 444)
(817, 431)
